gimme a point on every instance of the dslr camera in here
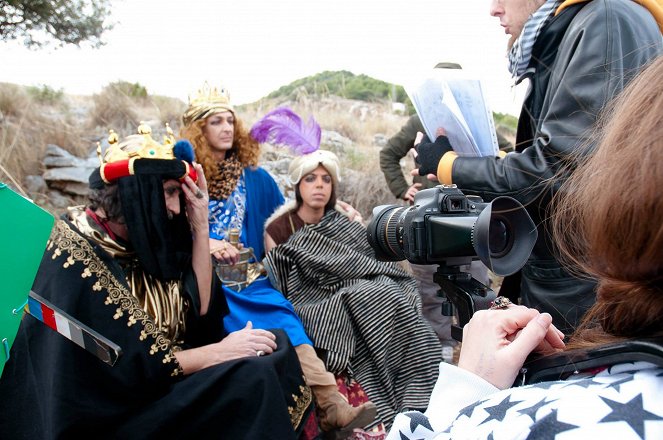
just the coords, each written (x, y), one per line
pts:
(447, 228)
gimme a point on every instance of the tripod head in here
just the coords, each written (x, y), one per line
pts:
(463, 296)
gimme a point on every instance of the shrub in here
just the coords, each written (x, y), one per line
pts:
(507, 121)
(345, 84)
(132, 90)
(45, 94)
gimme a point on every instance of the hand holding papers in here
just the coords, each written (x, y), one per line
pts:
(450, 100)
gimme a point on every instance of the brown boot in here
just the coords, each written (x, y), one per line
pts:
(337, 417)
(336, 414)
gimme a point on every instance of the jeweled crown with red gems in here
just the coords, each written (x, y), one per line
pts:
(117, 162)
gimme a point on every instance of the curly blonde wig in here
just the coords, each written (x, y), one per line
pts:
(244, 146)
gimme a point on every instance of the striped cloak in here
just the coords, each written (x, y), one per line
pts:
(365, 314)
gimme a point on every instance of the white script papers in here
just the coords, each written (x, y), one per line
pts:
(448, 99)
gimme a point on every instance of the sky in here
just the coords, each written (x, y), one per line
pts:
(255, 46)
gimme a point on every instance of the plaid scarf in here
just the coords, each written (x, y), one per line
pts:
(521, 51)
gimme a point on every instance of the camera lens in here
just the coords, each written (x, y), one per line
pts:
(499, 238)
(382, 233)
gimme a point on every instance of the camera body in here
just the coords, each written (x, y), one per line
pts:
(415, 228)
(446, 227)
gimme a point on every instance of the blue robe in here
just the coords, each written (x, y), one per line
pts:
(258, 196)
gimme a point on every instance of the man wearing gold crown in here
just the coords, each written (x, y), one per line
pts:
(130, 274)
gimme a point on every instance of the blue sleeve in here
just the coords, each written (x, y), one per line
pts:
(262, 198)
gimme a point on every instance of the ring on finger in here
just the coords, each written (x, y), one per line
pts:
(260, 353)
(199, 194)
(501, 302)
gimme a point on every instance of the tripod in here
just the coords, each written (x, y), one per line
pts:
(463, 295)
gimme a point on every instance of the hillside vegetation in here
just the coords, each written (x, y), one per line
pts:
(346, 85)
(356, 108)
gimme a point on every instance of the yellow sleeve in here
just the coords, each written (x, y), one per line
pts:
(445, 166)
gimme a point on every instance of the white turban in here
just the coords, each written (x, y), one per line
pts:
(302, 165)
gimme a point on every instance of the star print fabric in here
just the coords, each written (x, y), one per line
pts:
(624, 401)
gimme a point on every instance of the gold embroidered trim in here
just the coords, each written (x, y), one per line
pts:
(302, 402)
(79, 250)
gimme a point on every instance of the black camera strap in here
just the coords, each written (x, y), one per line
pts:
(566, 364)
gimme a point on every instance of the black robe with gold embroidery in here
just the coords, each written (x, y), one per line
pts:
(52, 388)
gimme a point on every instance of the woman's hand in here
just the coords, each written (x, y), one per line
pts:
(350, 212)
(223, 251)
(196, 200)
(497, 342)
(246, 342)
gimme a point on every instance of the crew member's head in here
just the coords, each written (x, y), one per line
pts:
(513, 14)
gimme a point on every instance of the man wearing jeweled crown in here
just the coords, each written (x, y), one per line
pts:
(126, 340)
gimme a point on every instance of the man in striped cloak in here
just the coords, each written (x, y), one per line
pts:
(362, 314)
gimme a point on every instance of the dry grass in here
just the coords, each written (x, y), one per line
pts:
(113, 108)
(28, 124)
(13, 100)
(26, 128)
(168, 110)
(357, 120)
(77, 122)
(366, 189)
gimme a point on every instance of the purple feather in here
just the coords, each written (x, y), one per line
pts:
(284, 127)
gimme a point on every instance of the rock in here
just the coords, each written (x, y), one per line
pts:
(35, 185)
(380, 140)
(71, 188)
(398, 107)
(72, 180)
(66, 172)
(274, 154)
(57, 200)
(58, 157)
(362, 110)
(335, 142)
(71, 174)
(280, 166)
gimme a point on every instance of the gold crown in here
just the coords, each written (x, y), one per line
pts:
(209, 95)
(150, 149)
(205, 102)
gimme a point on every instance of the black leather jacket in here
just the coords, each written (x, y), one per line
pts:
(581, 60)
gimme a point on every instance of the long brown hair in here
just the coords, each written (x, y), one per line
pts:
(244, 146)
(608, 217)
